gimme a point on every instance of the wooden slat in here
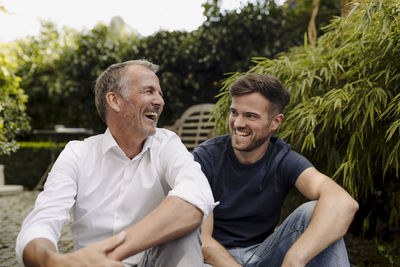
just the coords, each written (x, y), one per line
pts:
(194, 126)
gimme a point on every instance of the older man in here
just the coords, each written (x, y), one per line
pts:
(134, 177)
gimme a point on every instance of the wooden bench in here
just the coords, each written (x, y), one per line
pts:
(194, 126)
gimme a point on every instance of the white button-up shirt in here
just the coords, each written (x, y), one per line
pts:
(109, 192)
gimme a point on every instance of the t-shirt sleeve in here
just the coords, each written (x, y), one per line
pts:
(200, 155)
(292, 166)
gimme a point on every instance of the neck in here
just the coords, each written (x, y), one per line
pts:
(130, 144)
(250, 157)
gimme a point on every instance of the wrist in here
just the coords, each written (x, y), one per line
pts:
(292, 258)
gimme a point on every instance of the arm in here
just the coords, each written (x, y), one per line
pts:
(182, 211)
(174, 217)
(42, 252)
(213, 252)
(332, 216)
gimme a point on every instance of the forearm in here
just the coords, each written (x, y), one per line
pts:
(173, 218)
(215, 254)
(332, 216)
(38, 252)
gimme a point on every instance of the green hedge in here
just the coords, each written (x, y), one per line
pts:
(27, 165)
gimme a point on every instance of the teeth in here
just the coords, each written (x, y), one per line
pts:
(151, 115)
(242, 133)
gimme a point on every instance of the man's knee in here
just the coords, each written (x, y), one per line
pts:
(181, 252)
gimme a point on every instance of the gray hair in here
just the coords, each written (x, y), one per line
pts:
(113, 80)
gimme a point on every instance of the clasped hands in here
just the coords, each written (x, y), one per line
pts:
(93, 255)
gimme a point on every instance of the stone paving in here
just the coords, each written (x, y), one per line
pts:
(13, 209)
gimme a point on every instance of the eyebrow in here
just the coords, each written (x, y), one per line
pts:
(154, 89)
(252, 113)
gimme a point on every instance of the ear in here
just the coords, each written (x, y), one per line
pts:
(276, 121)
(113, 101)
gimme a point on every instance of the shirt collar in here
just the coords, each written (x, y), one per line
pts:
(109, 142)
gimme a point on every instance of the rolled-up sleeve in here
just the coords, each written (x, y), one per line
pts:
(185, 177)
(52, 205)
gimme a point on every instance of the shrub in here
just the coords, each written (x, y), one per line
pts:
(13, 120)
(27, 165)
(344, 113)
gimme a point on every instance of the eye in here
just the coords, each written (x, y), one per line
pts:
(233, 112)
(251, 116)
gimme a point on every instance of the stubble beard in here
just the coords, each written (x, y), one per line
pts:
(253, 145)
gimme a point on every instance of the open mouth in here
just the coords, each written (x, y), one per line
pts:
(242, 132)
(151, 115)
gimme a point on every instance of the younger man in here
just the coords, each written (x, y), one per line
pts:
(250, 173)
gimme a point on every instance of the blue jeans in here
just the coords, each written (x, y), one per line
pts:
(272, 251)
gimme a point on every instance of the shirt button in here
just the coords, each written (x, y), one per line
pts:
(123, 189)
(117, 217)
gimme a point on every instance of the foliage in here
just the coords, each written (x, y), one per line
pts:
(389, 251)
(58, 68)
(344, 112)
(193, 64)
(27, 165)
(3, 8)
(13, 120)
(298, 15)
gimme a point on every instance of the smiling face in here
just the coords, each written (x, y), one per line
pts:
(251, 125)
(142, 101)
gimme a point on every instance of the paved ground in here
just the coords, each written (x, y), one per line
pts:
(13, 209)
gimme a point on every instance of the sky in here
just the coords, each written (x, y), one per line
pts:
(144, 16)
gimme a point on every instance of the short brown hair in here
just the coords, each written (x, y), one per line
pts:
(269, 86)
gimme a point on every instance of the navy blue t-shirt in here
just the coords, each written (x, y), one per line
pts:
(250, 196)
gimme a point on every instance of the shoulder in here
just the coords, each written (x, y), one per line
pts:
(216, 142)
(290, 163)
(162, 133)
(213, 146)
(213, 152)
(164, 142)
(288, 154)
(163, 137)
(82, 147)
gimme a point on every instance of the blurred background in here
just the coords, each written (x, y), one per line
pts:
(339, 60)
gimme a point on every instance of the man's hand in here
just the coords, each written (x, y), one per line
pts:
(290, 261)
(173, 218)
(213, 252)
(93, 255)
(37, 253)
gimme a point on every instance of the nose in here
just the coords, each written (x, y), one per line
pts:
(239, 121)
(158, 100)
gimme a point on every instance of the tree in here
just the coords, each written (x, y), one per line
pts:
(312, 28)
(194, 63)
(344, 112)
(13, 120)
(59, 69)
